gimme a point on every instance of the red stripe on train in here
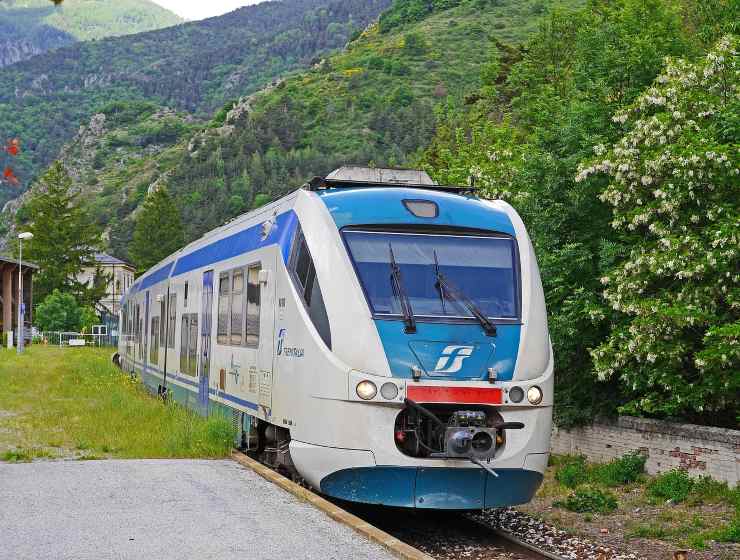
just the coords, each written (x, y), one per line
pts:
(439, 394)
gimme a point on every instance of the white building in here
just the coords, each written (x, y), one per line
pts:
(120, 278)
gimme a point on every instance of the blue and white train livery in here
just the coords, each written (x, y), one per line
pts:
(380, 336)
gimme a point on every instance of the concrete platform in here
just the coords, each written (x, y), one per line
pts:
(162, 509)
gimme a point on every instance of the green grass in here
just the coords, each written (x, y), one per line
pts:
(74, 403)
(25, 455)
(572, 471)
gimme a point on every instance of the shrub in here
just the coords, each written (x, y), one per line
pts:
(572, 472)
(728, 533)
(673, 485)
(706, 489)
(620, 471)
(588, 499)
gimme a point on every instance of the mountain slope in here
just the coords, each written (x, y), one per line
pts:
(194, 67)
(376, 102)
(30, 27)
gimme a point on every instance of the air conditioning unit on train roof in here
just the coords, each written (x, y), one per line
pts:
(360, 174)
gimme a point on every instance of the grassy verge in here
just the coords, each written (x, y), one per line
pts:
(73, 403)
(648, 514)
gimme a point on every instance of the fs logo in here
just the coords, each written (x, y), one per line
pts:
(281, 340)
(451, 360)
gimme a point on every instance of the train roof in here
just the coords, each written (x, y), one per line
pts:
(354, 177)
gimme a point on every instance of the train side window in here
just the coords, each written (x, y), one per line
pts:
(172, 321)
(237, 289)
(193, 345)
(304, 276)
(154, 349)
(162, 322)
(184, 340)
(222, 333)
(253, 305)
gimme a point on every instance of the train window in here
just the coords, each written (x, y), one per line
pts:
(172, 321)
(193, 345)
(253, 305)
(162, 322)
(481, 269)
(237, 289)
(154, 345)
(185, 298)
(189, 344)
(304, 275)
(184, 339)
(222, 334)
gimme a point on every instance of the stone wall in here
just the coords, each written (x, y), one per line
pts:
(700, 450)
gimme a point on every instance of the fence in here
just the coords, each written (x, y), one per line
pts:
(76, 339)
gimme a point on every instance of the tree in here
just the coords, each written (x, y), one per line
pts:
(673, 190)
(158, 230)
(59, 312)
(65, 238)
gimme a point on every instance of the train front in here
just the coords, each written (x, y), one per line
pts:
(437, 308)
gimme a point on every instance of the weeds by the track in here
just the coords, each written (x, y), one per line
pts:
(73, 403)
(620, 499)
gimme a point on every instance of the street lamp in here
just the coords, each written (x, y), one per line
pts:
(25, 236)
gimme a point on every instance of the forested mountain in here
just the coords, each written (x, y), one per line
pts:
(30, 27)
(194, 66)
(376, 102)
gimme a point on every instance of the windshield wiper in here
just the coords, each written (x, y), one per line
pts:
(488, 327)
(400, 293)
(438, 285)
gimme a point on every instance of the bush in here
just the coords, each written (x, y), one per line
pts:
(728, 533)
(707, 490)
(620, 471)
(572, 472)
(673, 485)
(588, 499)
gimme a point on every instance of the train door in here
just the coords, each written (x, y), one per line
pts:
(145, 359)
(266, 351)
(206, 318)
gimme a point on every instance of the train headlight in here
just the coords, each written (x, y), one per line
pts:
(366, 390)
(516, 394)
(389, 391)
(534, 395)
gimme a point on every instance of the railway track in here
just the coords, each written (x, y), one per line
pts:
(441, 535)
(445, 535)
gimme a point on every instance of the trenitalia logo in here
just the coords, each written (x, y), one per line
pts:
(288, 351)
(281, 340)
(452, 357)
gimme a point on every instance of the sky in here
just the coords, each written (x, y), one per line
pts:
(199, 9)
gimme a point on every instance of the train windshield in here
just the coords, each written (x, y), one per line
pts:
(481, 270)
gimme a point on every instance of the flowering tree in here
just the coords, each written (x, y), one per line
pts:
(675, 196)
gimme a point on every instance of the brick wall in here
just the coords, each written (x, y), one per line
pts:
(700, 450)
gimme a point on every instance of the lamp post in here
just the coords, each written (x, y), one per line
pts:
(25, 236)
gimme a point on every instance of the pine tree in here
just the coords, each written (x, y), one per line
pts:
(65, 238)
(158, 231)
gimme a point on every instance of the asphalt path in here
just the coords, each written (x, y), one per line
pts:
(162, 509)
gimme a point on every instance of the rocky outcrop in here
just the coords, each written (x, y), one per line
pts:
(12, 52)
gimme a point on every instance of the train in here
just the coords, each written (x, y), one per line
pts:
(377, 335)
